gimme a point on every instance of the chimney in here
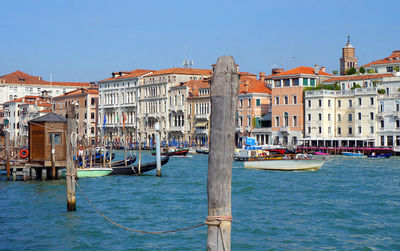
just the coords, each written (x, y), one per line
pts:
(323, 68)
(276, 71)
(316, 69)
(262, 76)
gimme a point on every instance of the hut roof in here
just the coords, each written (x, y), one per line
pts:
(51, 117)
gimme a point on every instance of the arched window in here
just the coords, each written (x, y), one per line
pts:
(286, 117)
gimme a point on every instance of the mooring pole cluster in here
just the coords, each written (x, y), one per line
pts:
(224, 92)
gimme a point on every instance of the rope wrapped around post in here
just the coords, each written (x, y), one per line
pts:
(216, 220)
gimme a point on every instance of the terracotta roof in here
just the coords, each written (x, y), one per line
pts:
(249, 85)
(359, 77)
(248, 74)
(79, 91)
(300, 70)
(23, 99)
(181, 71)
(19, 77)
(394, 58)
(128, 74)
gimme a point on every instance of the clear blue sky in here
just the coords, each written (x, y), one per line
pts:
(78, 40)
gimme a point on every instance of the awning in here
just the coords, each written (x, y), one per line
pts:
(201, 124)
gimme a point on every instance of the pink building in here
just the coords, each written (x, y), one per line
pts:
(287, 101)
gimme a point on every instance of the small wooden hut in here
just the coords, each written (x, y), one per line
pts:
(40, 132)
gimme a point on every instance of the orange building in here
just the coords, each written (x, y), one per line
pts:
(253, 109)
(287, 101)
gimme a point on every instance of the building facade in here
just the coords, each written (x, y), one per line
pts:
(254, 110)
(287, 102)
(119, 103)
(86, 101)
(18, 112)
(161, 103)
(341, 118)
(390, 64)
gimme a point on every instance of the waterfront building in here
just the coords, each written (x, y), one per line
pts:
(389, 64)
(19, 111)
(160, 103)
(118, 101)
(388, 116)
(341, 118)
(287, 101)
(254, 110)
(199, 110)
(348, 59)
(86, 101)
(19, 84)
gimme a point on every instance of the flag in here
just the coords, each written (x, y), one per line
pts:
(123, 121)
(104, 123)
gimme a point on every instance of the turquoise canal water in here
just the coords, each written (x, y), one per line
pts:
(349, 204)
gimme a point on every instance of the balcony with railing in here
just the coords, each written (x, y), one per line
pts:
(201, 131)
(176, 128)
(202, 116)
(284, 129)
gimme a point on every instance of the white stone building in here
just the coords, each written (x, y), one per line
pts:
(19, 84)
(118, 99)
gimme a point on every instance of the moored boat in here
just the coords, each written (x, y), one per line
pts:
(134, 169)
(202, 151)
(91, 172)
(300, 162)
(353, 154)
(320, 153)
(381, 155)
(173, 152)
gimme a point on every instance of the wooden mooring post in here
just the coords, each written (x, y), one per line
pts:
(71, 140)
(224, 92)
(158, 150)
(7, 149)
(53, 157)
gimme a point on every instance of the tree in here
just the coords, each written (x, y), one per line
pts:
(396, 68)
(351, 71)
(356, 86)
(370, 71)
(362, 70)
(335, 72)
(381, 91)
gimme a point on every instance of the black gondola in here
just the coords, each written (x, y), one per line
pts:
(134, 169)
(129, 161)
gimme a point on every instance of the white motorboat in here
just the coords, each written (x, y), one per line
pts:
(299, 163)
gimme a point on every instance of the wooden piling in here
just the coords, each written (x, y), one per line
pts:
(140, 155)
(109, 163)
(123, 133)
(7, 148)
(91, 153)
(158, 150)
(53, 157)
(71, 138)
(224, 92)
